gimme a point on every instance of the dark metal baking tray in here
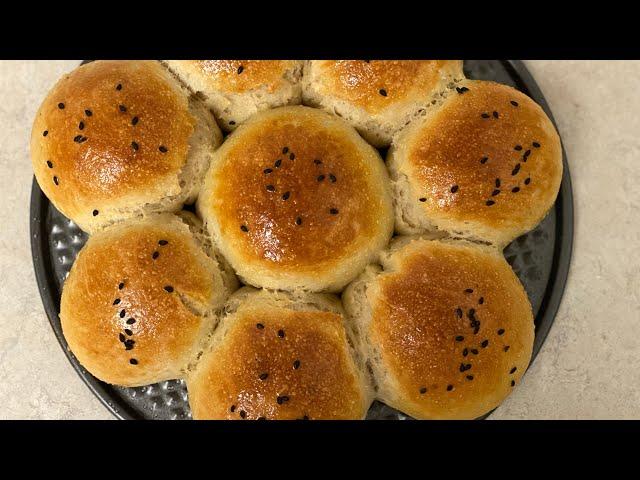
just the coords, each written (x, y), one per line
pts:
(540, 259)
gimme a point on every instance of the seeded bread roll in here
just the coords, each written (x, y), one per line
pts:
(140, 299)
(236, 89)
(485, 165)
(280, 356)
(119, 139)
(378, 97)
(295, 199)
(447, 326)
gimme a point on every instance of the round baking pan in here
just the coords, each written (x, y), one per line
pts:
(540, 259)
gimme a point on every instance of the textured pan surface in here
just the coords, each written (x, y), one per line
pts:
(540, 259)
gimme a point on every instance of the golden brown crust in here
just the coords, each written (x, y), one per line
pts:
(296, 192)
(106, 123)
(117, 294)
(377, 84)
(275, 363)
(486, 164)
(452, 327)
(239, 76)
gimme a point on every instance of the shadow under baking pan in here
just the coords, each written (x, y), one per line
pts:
(540, 258)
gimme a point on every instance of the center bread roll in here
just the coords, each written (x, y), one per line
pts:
(296, 199)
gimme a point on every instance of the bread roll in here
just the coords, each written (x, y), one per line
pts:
(378, 97)
(295, 199)
(485, 165)
(447, 325)
(236, 89)
(118, 139)
(280, 356)
(140, 299)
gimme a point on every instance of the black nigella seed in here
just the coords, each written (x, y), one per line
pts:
(527, 153)
(49, 164)
(135, 146)
(61, 106)
(469, 377)
(536, 144)
(116, 301)
(461, 90)
(497, 183)
(163, 242)
(527, 181)
(296, 364)
(423, 390)
(122, 108)
(513, 370)
(422, 199)
(155, 255)
(133, 361)
(485, 115)
(232, 122)
(271, 188)
(267, 170)
(317, 162)
(495, 114)
(259, 326)
(243, 414)
(263, 376)
(471, 313)
(281, 333)
(240, 69)
(449, 388)
(469, 290)
(119, 86)
(483, 160)
(320, 178)
(484, 343)
(459, 338)
(333, 178)
(168, 288)
(506, 348)
(513, 383)
(333, 211)
(128, 344)
(286, 195)
(95, 213)
(163, 149)
(45, 133)
(122, 313)
(82, 139)
(474, 351)
(459, 312)
(465, 352)
(244, 228)
(120, 285)
(515, 189)
(501, 331)
(285, 150)
(81, 126)
(278, 163)
(88, 113)
(128, 332)
(383, 92)
(77, 138)
(514, 103)
(292, 156)
(454, 189)
(281, 399)
(121, 337)
(481, 300)
(490, 202)
(517, 148)
(463, 367)
(298, 221)
(495, 192)
(232, 409)
(131, 321)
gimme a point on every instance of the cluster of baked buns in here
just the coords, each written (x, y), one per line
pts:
(287, 295)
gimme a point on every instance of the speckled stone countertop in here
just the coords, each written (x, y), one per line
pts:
(587, 367)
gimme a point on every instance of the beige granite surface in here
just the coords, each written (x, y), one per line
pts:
(588, 367)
